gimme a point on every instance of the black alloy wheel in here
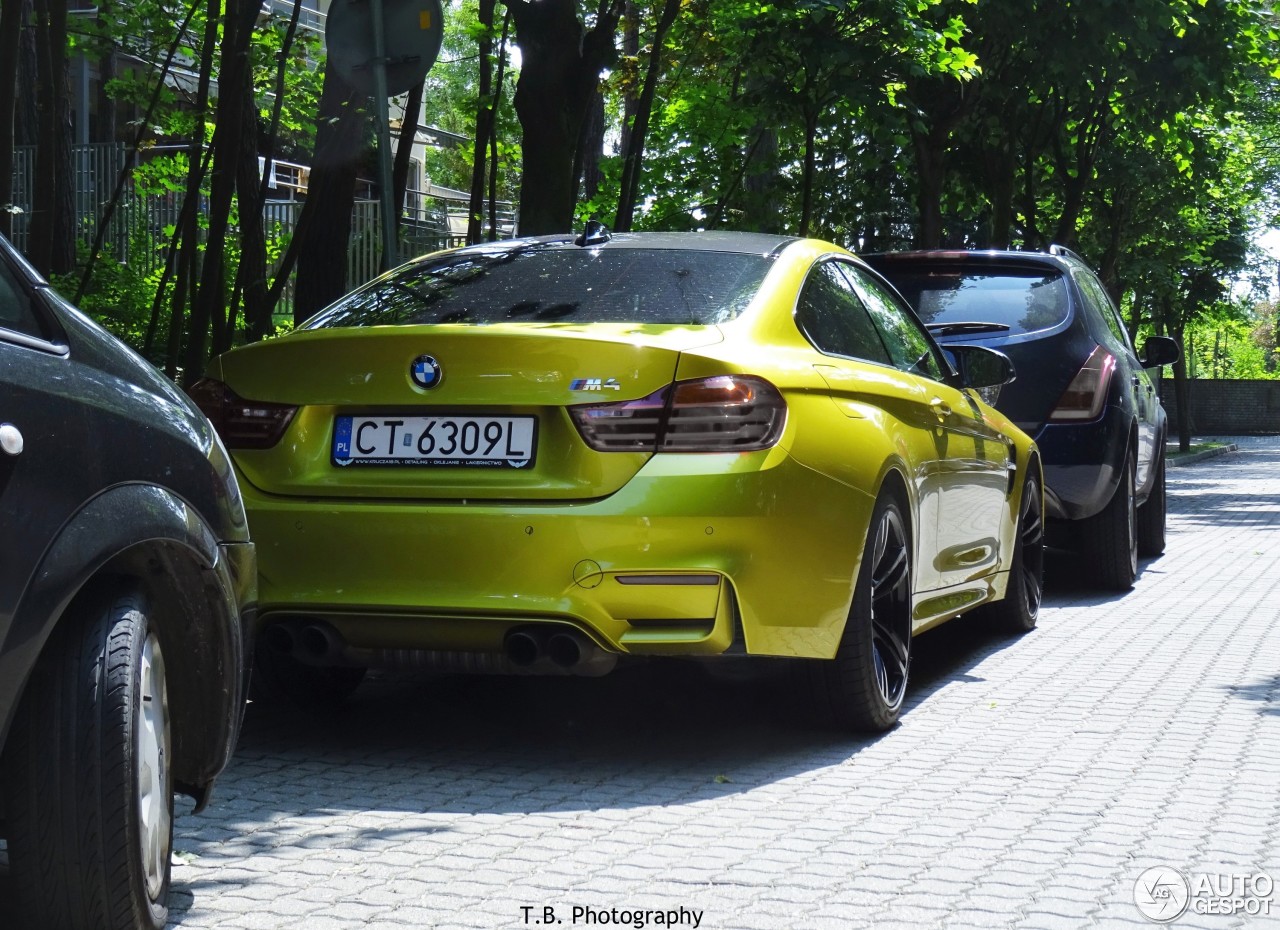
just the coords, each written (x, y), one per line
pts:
(863, 687)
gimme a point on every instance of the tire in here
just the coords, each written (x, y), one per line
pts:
(1018, 611)
(87, 775)
(863, 687)
(1110, 538)
(281, 679)
(1151, 516)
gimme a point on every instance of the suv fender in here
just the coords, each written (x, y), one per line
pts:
(150, 533)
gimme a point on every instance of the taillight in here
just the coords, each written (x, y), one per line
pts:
(725, 413)
(1087, 392)
(242, 424)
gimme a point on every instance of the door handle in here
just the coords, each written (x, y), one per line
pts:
(10, 439)
(940, 408)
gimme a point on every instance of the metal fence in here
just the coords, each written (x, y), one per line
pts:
(140, 227)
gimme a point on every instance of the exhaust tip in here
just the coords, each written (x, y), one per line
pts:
(522, 648)
(564, 650)
(279, 639)
(317, 642)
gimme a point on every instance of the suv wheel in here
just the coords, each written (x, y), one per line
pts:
(1019, 609)
(1110, 538)
(1151, 516)
(87, 773)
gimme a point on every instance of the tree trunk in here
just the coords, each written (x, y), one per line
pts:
(325, 238)
(493, 128)
(51, 246)
(1000, 180)
(628, 67)
(1181, 389)
(809, 170)
(633, 153)
(188, 259)
(562, 61)
(404, 150)
(64, 204)
(931, 166)
(10, 33)
(229, 137)
(484, 116)
(586, 164)
(251, 274)
(26, 117)
(262, 327)
(757, 175)
(1072, 205)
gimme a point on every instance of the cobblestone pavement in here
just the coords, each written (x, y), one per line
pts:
(1030, 784)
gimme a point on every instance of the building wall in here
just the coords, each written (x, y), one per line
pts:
(1227, 407)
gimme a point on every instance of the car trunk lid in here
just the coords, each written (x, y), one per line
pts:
(514, 382)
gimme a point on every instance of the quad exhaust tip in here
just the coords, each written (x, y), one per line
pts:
(526, 649)
(563, 652)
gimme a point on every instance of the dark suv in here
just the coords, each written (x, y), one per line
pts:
(126, 578)
(1082, 392)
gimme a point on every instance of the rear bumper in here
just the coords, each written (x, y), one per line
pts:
(696, 554)
(1082, 463)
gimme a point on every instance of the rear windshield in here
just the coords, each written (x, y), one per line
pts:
(555, 284)
(1024, 300)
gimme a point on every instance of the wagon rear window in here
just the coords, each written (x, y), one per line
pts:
(1025, 301)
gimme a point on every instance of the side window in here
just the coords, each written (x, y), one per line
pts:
(1097, 294)
(909, 345)
(16, 312)
(833, 318)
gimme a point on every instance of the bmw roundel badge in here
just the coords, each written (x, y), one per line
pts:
(425, 371)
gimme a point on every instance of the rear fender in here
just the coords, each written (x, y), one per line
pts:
(150, 534)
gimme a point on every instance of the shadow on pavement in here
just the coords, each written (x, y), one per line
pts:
(1266, 693)
(663, 733)
(707, 731)
(1197, 500)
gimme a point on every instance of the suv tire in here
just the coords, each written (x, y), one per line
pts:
(87, 773)
(1110, 538)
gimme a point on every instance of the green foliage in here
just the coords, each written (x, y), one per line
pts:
(763, 102)
(303, 75)
(450, 103)
(1145, 134)
(119, 299)
(1234, 340)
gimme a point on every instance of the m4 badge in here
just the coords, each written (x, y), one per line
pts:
(595, 384)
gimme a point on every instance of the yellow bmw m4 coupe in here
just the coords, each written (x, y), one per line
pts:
(547, 455)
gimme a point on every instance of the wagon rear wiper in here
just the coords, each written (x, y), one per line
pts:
(974, 326)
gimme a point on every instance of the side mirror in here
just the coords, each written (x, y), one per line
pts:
(980, 367)
(1159, 350)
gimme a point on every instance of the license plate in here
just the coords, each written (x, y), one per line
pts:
(446, 440)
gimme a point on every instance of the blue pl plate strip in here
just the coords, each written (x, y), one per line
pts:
(342, 439)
